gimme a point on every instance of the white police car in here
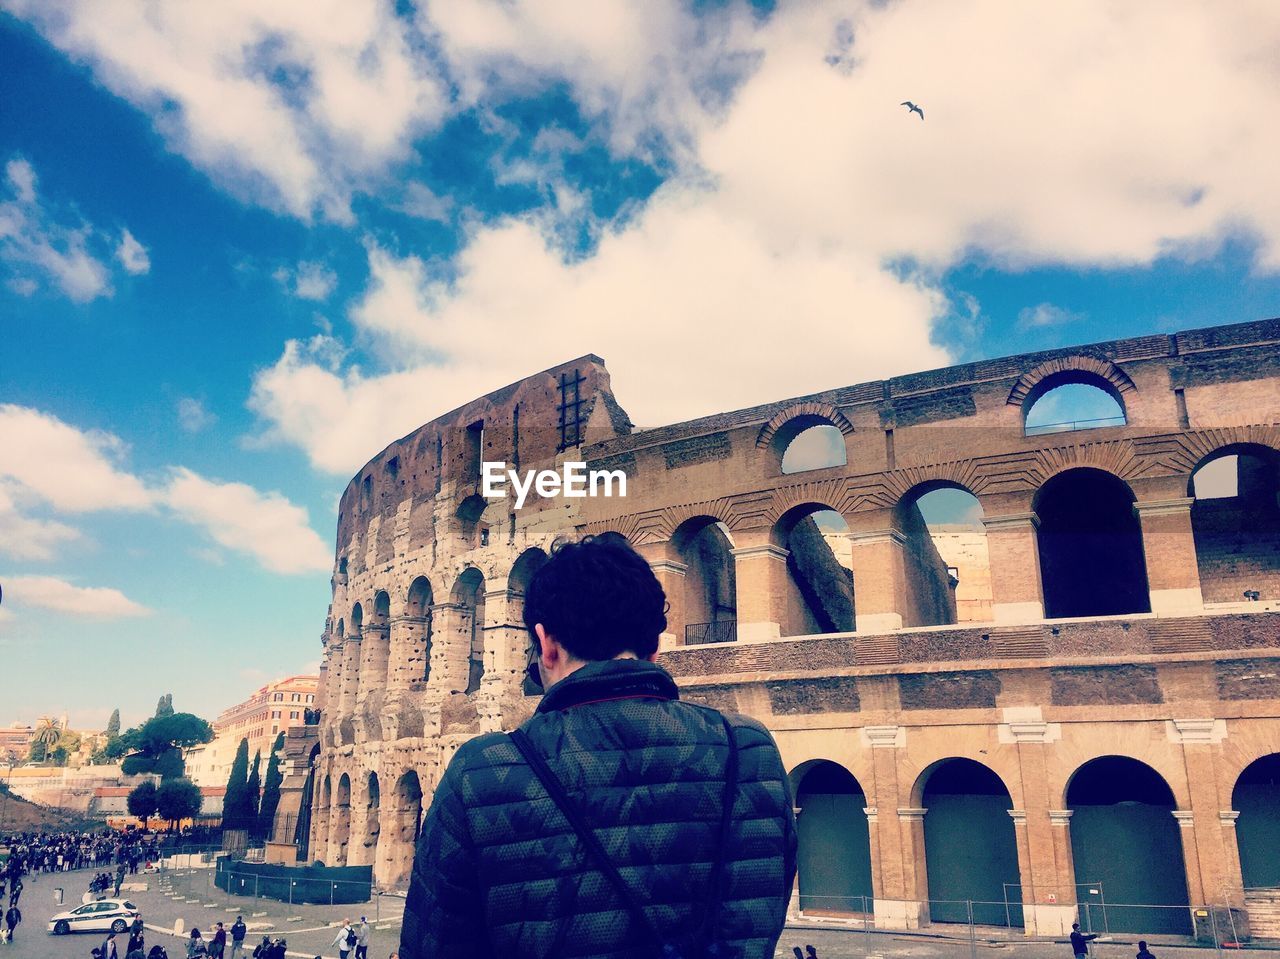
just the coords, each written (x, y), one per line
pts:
(104, 915)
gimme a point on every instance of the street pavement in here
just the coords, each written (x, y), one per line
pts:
(190, 897)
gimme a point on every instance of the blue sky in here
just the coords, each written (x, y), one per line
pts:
(243, 249)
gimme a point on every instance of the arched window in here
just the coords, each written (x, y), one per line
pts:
(814, 448)
(709, 601)
(340, 822)
(1235, 520)
(418, 610)
(468, 594)
(1078, 405)
(820, 568)
(834, 856)
(948, 569)
(1091, 556)
(1125, 843)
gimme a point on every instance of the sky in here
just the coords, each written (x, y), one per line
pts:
(243, 246)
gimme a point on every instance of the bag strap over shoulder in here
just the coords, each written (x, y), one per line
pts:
(555, 789)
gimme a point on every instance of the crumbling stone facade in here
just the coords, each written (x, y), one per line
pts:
(1125, 615)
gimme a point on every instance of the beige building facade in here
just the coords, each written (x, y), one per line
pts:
(1091, 711)
(271, 710)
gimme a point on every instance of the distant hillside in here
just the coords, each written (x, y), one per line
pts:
(18, 815)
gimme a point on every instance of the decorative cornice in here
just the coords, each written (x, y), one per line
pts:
(764, 549)
(1193, 731)
(1163, 507)
(1060, 817)
(1228, 817)
(884, 737)
(1011, 521)
(669, 566)
(1019, 816)
(870, 537)
(911, 813)
(873, 814)
(1185, 818)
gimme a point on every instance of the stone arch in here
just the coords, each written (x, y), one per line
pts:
(417, 609)
(340, 822)
(1092, 558)
(820, 594)
(708, 603)
(1256, 797)
(322, 814)
(1235, 522)
(1126, 842)
(405, 825)
(467, 599)
(970, 847)
(365, 851)
(1091, 370)
(834, 840)
(788, 423)
(936, 547)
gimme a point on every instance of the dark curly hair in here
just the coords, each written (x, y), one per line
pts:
(598, 598)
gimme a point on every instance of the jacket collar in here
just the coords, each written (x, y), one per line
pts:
(610, 679)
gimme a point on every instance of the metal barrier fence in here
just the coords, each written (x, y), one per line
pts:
(1216, 926)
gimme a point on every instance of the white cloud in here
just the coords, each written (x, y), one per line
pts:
(265, 526)
(73, 470)
(132, 254)
(420, 201)
(310, 281)
(1046, 314)
(192, 415)
(60, 596)
(25, 538)
(32, 240)
(293, 103)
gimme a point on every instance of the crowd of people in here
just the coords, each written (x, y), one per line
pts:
(35, 853)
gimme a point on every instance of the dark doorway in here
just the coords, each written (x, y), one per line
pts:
(971, 852)
(1091, 557)
(835, 842)
(1257, 799)
(1126, 843)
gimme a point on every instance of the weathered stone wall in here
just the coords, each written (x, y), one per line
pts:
(436, 572)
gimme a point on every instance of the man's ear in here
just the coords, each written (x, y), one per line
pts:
(551, 651)
(652, 657)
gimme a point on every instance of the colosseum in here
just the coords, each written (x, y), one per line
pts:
(1014, 624)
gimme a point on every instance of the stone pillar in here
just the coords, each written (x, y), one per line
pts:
(1187, 830)
(764, 586)
(1213, 870)
(1173, 576)
(671, 577)
(1017, 595)
(374, 653)
(793, 904)
(911, 829)
(892, 874)
(350, 684)
(1234, 878)
(408, 651)
(1048, 886)
(450, 646)
(879, 571)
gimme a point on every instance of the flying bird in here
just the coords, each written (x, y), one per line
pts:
(912, 108)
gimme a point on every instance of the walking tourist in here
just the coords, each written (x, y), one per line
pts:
(609, 716)
(218, 944)
(345, 940)
(109, 949)
(1080, 941)
(196, 946)
(137, 932)
(238, 931)
(11, 920)
(362, 939)
(1143, 951)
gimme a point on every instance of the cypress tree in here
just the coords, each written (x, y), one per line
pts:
(113, 725)
(271, 789)
(234, 814)
(252, 790)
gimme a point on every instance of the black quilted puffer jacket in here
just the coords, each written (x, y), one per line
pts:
(500, 873)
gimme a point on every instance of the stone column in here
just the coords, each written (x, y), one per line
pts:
(1017, 595)
(349, 690)
(1173, 576)
(451, 646)
(407, 660)
(374, 653)
(892, 867)
(1233, 881)
(671, 577)
(1187, 830)
(764, 586)
(879, 571)
(911, 829)
(1213, 870)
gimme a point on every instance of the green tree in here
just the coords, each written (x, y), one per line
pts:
(252, 797)
(156, 746)
(142, 801)
(271, 789)
(235, 814)
(178, 799)
(113, 725)
(68, 742)
(164, 707)
(46, 737)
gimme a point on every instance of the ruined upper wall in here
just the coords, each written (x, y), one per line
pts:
(519, 424)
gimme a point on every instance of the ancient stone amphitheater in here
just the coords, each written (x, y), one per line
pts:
(1023, 666)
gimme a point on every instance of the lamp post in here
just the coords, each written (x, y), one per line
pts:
(10, 758)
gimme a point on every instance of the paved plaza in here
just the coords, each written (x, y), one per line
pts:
(189, 897)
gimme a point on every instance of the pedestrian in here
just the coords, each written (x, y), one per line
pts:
(810, 952)
(11, 920)
(108, 950)
(157, 952)
(707, 796)
(119, 879)
(238, 931)
(136, 936)
(1080, 941)
(196, 946)
(345, 940)
(15, 890)
(362, 939)
(1143, 951)
(798, 951)
(218, 944)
